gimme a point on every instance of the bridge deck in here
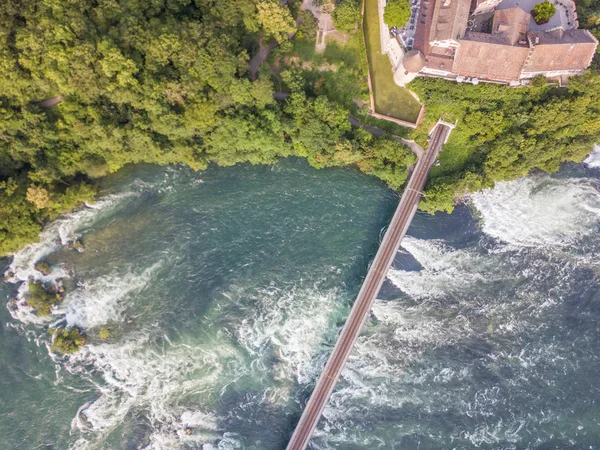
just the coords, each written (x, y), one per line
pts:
(369, 290)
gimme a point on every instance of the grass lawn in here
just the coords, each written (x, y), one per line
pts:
(339, 72)
(390, 99)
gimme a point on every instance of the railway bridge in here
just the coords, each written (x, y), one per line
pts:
(390, 244)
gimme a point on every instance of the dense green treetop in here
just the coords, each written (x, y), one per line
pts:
(505, 133)
(544, 11)
(308, 26)
(396, 13)
(166, 81)
(346, 15)
(157, 81)
(275, 19)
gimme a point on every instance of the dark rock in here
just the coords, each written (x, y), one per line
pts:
(43, 267)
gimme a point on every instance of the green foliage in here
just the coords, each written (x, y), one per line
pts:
(19, 219)
(139, 83)
(387, 160)
(539, 81)
(63, 201)
(163, 82)
(41, 298)
(346, 15)
(275, 19)
(104, 333)
(308, 27)
(67, 340)
(544, 11)
(396, 13)
(505, 133)
(21, 216)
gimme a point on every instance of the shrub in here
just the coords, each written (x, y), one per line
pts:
(67, 340)
(276, 19)
(104, 333)
(543, 12)
(346, 16)
(43, 267)
(309, 25)
(38, 196)
(41, 299)
(396, 13)
(539, 81)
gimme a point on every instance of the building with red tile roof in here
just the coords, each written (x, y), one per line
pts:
(512, 50)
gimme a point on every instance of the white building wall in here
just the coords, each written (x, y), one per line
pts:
(402, 77)
(550, 73)
(384, 33)
(435, 72)
(395, 52)
(486, 7)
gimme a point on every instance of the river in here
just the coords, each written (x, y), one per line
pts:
(224, 291)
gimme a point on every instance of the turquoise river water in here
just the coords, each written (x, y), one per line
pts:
(224, 291)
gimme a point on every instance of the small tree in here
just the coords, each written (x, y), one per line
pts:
(308, 27)
(67, 340)
(38, 196)
(346, 16)
(543, 12)
(104, 333)
(396, 13)
(41, 299)
(539, 81)
(276, 19)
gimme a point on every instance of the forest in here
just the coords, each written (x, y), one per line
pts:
(506, 133)
(159, 81)
(88, 87)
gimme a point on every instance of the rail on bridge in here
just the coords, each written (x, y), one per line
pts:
(390, 244)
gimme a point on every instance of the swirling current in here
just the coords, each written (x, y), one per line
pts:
(224, 291)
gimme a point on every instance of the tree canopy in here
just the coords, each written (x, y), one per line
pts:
(307, 29)
(396, 13)
(544, 11)
(346, 16)
(506, 133)
(87, 87)
(276, 19)
(164, 82)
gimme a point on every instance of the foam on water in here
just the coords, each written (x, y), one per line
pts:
(106, 298)
(417, 355)
(539, 210)
(496, 303)
(294, 322)
(593, 160)
(60, 232)
(444, 270)
(176, 384)
(146, 373)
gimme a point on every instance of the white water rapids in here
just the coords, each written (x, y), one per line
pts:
(501, 288)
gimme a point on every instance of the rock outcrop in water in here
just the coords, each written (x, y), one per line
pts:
(42, 298)
(43, 267)
(67, 339)
(78, 245)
